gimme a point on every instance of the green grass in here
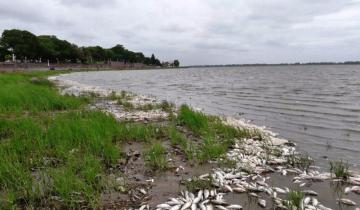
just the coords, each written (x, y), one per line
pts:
(211, 150)
(53, 152)
(340, 169)
(156, 157)
(19, 93)
(217, 137)
(294, 199)
(301, 161)
(195, 184)
(197, 122)
(51, 147)
(140, 132)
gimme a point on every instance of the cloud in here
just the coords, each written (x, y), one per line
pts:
(201, 31)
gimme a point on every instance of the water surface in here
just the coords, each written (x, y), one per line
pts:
(318, 106)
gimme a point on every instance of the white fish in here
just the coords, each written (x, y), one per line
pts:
(142, 207)
(193, 206)
(347, 202)
(239, 189)
(356, 189)
(206, 194)
(210, 207)
(310, 192)
(228, 188)
(219, 202)
(347, 190)
(186, 206)
(174, 201)
(221, 207)
(314, 202)
(262, 203)
(234, 206)
(279, 190)
(307, 200)
(176, 207)
(321, 207)
(163, 206)
(202, 206)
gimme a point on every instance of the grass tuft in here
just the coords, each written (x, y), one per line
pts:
(156, 157)
(340, 169)
(301, 161)
(195, 184)
(294, 199)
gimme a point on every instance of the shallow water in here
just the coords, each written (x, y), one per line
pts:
(318, 107)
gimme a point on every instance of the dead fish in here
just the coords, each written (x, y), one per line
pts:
(347, 201)
(233, 206)
(193, 206)
(209, 207)
(253, 195)
(314, 202)
(228, 188)
(202, 206)
(347, 190)
(174, 201)
(163, 206)
(186, 206)
(262, 203)
(143, 207)
(356, 189)
(177, 207)
(307, 200)
(310, 192)
(143, 191)
(239, 190)
(321, 207)
(219, 202)
(279, 190)
(221, 207)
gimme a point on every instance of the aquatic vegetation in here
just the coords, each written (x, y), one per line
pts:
(340, 169)
(301, 161)
(156, 157)
(195, 184)
(126, 104)
(295, 199)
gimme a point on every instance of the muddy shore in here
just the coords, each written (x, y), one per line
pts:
(262, 174)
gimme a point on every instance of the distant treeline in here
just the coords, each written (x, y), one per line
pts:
(29, 47)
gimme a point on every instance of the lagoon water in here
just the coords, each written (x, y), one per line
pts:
(316, 106)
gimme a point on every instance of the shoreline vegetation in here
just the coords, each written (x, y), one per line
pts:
(64, 145)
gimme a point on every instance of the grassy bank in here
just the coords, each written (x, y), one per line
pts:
(56, 153)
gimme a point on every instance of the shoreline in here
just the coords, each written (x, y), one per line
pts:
(303, 178)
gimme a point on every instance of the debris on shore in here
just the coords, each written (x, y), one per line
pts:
(254, 166)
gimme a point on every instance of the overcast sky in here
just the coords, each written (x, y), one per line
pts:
(200, 31)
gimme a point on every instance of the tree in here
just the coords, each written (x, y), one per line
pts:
(153, 59)
(46, 47)
(176, 63)
(96, 53)
(3, 53)
(22, 43)
(54, 49)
